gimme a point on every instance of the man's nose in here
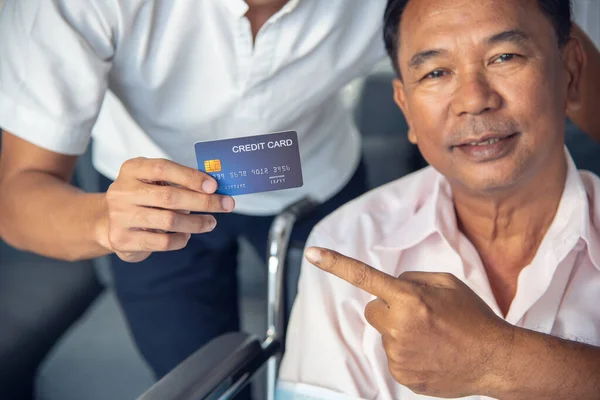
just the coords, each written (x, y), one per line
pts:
(475, 96)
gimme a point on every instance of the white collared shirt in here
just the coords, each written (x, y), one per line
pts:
(181, 71)
(410, 224)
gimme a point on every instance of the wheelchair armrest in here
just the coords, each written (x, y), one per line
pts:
(210, 370)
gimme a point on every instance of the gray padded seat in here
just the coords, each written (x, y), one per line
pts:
(40, 299)
(387, 152)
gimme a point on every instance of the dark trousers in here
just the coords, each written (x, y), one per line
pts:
(175, 302)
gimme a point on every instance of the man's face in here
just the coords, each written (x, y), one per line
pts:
(484, 89)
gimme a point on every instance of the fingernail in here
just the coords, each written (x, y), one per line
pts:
(213, 224)
(209, 186)
(313, 254)
(227, 203)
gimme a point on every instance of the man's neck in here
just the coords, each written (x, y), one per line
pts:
(260, 11)
(507, 229)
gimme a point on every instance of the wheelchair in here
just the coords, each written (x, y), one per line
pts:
(224, 366)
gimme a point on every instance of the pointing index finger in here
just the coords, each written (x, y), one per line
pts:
(356, 273)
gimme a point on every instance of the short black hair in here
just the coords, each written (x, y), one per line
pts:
(559, 12)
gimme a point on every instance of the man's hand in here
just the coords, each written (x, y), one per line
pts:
(440, 338)
(149, 207)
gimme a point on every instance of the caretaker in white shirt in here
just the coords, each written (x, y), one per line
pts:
(148, 78)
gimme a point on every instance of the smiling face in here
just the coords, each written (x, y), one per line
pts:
(484, 90)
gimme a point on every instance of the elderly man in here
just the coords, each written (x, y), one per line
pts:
(480, 275)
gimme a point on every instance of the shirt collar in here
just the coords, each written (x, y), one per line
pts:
(573, 226)
(239, 8)
(436, 215)
(588, 231)
(433, 214)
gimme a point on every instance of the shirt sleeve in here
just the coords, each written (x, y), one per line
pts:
(55, 56)
(324, 345)
(586, 14)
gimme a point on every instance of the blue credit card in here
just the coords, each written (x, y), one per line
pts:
(252, 164)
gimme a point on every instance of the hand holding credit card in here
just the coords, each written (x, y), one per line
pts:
(252, 164)
(155, 205)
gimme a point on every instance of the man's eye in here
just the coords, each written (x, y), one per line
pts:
(438, 73)
(504, 58)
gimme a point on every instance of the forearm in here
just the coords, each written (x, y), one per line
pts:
(587, 117)
(546, 367)
(43, 214)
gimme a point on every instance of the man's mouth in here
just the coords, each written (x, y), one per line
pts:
(489, 147)
(485, 141)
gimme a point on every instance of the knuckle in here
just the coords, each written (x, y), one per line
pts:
(113, 217)
(117, 238)
(332, 261)
(146, 245)
(191, 180)
(150, 245)
(393, 352)
(113, 193)
(158, 169)
(125, 168)
(166, 196)
(396, 334)
(137, 218)
(142, 218)
(118, 195)
(207, 201)
(159, 242)
(360, 276)
(168, 221)
(164, 242)
(370, 312)
(110, 194)
(118, 221)
(423, 311)
(130, 164)
(395, 360)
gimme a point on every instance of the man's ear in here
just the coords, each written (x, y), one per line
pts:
(400, 99)
(574, 60)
